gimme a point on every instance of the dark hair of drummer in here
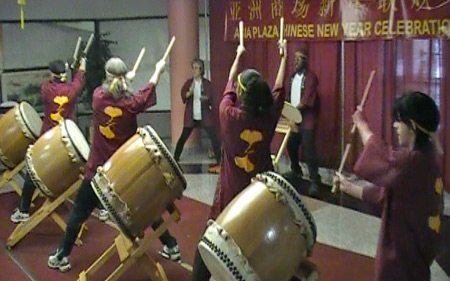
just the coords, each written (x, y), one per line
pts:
(58, 70)
(115, 82)
(419, 112)
(254, 92)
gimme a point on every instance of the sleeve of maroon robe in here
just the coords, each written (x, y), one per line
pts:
(279, 95)
(76, 86)
(185, 90)
(309, 95)
(142, 100)
(227, 105)
(379, 164)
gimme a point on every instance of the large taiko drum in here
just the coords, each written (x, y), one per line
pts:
(19, 128)
(264, 234)
(139, 182)
(56, 160)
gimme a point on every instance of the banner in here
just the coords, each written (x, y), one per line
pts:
(338, 19)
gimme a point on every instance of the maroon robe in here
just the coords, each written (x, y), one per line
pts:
(309, 99)
(408, 189)
(207, 116)
(59, 100)
(246, 145)
(114, 123)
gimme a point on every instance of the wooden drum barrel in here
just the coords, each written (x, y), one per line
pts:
(57, 159)
(19, 128)
(264, 234)
(139, 182)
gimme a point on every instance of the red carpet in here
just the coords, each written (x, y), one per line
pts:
(33, 250)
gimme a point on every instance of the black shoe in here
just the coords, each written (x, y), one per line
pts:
(314, 190)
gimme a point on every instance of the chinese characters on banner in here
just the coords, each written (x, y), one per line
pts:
(338, 19)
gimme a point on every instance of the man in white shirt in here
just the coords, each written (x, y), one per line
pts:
(304, 96)
(197, 94)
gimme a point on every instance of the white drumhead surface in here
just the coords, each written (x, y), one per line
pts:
(77, 138)
(291, 113)
(30, 118)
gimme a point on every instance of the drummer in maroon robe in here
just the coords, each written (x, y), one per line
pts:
(59, 99)
(248, 113)
(407, 187)
(197, 94)
(115, 111)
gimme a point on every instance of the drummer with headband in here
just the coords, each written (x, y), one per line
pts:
(405, 185)
(249, 112)
(59, 99)
(304, 96)
(115, 110)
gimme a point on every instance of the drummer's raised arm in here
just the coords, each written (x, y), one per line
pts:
(282, 69)
(234, 67)
(159, 68)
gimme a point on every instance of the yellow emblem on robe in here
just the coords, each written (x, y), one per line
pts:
(107, 130)
(60, 101)
(251, 137)
(434, 223)
(439, 186)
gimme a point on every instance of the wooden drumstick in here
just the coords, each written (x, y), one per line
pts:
(366, 93)
(281, 33)
(169, 48)
(138, 61)
(88, 44)
(348, 146)
(341, 166)
(75, 53)
(77, 49)
(241, 33)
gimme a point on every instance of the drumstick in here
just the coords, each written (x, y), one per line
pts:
(241, 33)
(341, 166)
(347, 147)
(138, 61)
(75, 53)
(281, 33)
(88, 44)
(169, 48)
(366, 93)
(77, 49)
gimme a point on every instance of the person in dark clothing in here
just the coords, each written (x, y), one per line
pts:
(304, 96)
(197, 94)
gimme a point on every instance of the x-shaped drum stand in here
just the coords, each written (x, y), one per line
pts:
(131, 252)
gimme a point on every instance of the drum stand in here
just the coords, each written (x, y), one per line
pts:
(283, 127)
(8, 178)
(131, 252)
(47, 209)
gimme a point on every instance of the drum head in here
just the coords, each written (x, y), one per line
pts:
(291, 113)
(77, 139)
(31, 119)
(223, 257)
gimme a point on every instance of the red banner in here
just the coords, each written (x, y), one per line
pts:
(337, 19)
